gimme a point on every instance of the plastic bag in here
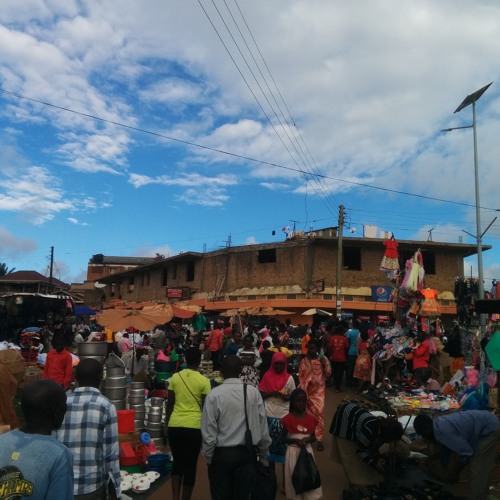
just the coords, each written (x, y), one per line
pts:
(305, 476)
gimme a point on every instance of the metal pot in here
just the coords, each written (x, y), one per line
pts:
(156, 402)
(119, 404)
(137, 408)
(137, 385)
(92, 349)
(140, 415)
(153, 418)
(154, 426)
(116, 393)
(137, 393)
(155, 434)
(138, 424)
(114, 371)
(115, 381)
(136, 400)
(99, 359)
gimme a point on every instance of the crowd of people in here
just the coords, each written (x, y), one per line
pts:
(269, 408)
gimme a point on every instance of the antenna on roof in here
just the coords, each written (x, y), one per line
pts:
(429, 238)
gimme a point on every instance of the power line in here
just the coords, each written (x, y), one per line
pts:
(242, 157)
(320, 191)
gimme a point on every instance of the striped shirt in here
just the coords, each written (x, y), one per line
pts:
(357, 424)
(90, 431)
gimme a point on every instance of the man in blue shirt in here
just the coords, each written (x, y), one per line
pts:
(352, 354)
(470, 435)
(32, 463)
(90, 431)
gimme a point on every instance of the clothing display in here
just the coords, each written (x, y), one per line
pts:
(430, 305)
(390, 260)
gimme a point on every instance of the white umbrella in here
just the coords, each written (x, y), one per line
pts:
(314, 310)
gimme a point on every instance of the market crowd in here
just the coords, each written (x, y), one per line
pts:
(256, 421)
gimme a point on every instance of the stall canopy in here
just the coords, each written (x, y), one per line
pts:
(83, 310)
(314, 310)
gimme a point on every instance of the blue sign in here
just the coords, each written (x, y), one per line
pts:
(381, 293)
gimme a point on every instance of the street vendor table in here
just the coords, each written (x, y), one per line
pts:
(412, 402)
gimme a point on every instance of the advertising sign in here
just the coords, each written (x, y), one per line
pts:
(381, 293)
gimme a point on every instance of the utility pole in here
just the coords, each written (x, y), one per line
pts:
(338, 287)
(51, 265)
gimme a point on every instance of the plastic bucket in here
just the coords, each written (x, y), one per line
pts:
(125, 421)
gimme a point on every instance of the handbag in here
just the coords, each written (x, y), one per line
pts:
(305, 476)
(261, 480)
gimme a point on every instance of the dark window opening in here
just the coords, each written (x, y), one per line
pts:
(174, 272)
(164, 277)
(190, 271)
(267, 256)
(352, 258)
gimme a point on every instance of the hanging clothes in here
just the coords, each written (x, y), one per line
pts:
(416, 278)
(430, 305)
(390, 260)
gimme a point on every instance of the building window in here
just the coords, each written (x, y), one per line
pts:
(142, 279)
(327, 296)
(252, 297)
(190, 271)
(164, 277)
(148, 278)
(267, 256)
(233, 297)
(291, 296)
(352, 258)
(131, 284)
(272, 296)
(174, 272)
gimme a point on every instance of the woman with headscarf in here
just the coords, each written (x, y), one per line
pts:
(276, 386)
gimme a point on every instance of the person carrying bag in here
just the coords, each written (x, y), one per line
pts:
(260, 480)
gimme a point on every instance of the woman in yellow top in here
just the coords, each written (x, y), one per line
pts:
(186, 392)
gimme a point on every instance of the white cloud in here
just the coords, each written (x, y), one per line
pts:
(251, 240)
(212, 196)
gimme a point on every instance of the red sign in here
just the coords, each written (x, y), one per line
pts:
(174, 293)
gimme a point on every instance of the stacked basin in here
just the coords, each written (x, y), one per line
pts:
(95, 350)
(136, 402)
(115, 383)
(154, 421)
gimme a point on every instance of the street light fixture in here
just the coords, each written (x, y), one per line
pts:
(472, 99)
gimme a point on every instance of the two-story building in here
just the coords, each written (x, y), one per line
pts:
(295, 275)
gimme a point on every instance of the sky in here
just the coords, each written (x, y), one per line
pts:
(134, 128)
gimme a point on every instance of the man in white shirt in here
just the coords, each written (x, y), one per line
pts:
(223, 430)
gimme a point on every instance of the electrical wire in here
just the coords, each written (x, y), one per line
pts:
(243, 157)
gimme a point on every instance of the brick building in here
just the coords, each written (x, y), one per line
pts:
(295, 274)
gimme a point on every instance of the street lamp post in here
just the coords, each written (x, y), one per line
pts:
(472, 99)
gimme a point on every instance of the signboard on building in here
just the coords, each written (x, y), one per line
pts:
(381, 293)
(174, 293)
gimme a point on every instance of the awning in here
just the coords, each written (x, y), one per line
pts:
(84, 310)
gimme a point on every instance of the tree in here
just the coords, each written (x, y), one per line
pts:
(5, 270)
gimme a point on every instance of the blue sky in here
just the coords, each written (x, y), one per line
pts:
(174, 125)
